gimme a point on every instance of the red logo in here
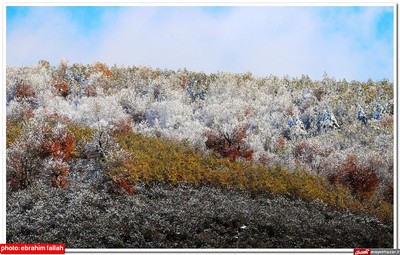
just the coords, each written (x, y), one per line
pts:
(32, 248)
(362, 251)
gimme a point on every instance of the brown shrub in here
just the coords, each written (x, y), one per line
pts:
(248, 111)
(231, 146)
(387, 121)
(62, 87)
(90, 91)
(308, 153)
(23, 91)
(20, 176)
(319, 93)
(362, 181)
(280, 144)
(123, 125)
(102, 68)
(291, 111)
(55, 149)
(124, 184)
(55, 117)
(388, 193)
(58, 146)
(264, 160)
(58, 173)
(304, 151)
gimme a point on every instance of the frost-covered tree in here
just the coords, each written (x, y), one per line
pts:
(292, 122)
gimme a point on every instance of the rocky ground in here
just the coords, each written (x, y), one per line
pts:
(162, 216)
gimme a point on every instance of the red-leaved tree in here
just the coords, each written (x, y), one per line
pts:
(231, 145)
(361, 180)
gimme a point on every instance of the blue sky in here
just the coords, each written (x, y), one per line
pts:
(355, 43)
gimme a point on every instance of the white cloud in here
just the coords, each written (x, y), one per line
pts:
(279, 41)
(46, 34)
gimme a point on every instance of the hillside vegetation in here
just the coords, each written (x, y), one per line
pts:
(123, 133)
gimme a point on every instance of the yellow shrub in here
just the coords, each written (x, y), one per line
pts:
(13, 132)
(81, 133)
(158, 160)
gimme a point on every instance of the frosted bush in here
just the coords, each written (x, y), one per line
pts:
(17, 109)
(277, 112)
(99, 112)
(70, 127)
